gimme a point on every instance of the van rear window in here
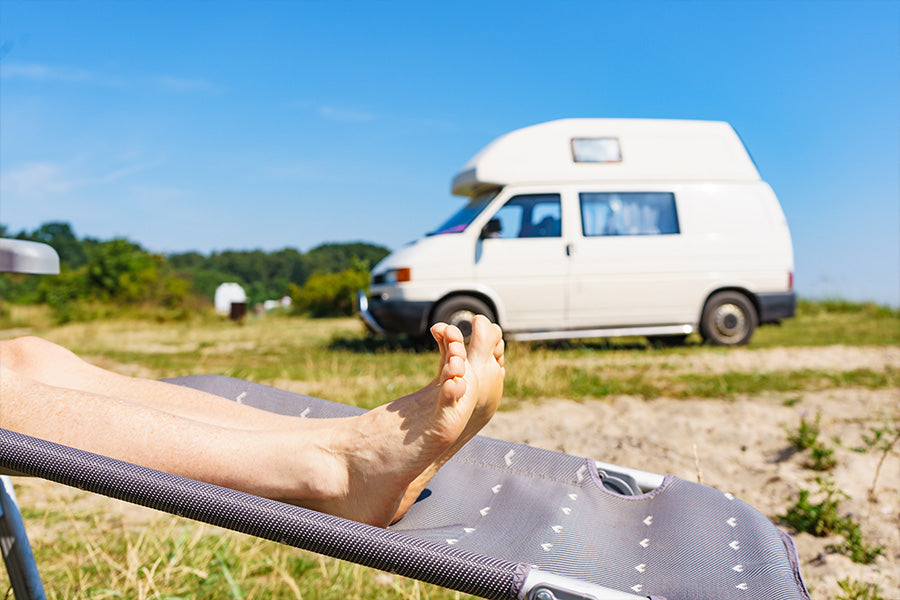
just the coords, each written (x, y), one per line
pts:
(628, 213)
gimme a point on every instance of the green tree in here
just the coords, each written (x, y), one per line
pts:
(334, 258)
(122, 271)
(60, 236)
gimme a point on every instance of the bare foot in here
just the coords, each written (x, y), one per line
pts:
(370, 461)
(485, 359)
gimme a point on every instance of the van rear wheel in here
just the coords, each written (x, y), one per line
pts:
(460, 311)
(729, 319)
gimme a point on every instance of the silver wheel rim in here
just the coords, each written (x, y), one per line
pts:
(462, 319)
(730, 321)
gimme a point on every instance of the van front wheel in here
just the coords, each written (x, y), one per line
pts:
(460, 311)
(729, 319)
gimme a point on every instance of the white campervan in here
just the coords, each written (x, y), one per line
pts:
(597, 228)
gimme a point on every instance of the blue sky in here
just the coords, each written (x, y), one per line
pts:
(211, 125)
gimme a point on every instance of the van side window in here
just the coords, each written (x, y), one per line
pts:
(628, 213)
(530, 216)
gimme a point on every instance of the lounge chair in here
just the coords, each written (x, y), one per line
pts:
(500, 520)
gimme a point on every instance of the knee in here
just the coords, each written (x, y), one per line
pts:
(22, 353)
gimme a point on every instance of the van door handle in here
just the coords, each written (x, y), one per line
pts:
(568, 249)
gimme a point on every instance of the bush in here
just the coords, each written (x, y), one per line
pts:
(64, 291)
(329, 294)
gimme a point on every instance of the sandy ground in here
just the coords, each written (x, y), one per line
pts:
(738, 446)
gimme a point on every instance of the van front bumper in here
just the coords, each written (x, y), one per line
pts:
(776, 306)
(392, 316)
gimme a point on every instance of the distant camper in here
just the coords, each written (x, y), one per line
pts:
(599, 228)
(227, 295)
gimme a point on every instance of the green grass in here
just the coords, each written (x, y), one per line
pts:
(99, 555)
(91, 553)
(833, 322)
(333, 358)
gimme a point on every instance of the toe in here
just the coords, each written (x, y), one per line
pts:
(485, 336)
(453, 338)
(437, 331)
(453, 389)
(453, 334)
(455, 367)
(498, 352)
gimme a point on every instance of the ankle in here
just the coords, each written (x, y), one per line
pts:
(302, 468)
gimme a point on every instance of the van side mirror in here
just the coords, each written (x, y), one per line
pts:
(491, 230)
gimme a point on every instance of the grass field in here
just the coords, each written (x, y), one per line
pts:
(90, 547)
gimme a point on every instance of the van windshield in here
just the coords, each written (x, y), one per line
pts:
(464, 216)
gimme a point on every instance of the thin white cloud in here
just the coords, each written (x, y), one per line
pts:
(33, 181)
(356, 115)
(46, 74)
(119, 173)
(38, 180)
(54, 74)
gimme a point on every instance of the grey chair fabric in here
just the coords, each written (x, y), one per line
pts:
(526, 505)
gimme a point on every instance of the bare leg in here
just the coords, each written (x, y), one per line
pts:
(485, 356)
(51, 364)
(357, 468)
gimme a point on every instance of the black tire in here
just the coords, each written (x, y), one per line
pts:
(729, 319)
(459, 311)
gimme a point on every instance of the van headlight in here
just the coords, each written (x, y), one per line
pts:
(397, 275)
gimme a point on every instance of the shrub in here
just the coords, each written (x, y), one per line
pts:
(329, 294)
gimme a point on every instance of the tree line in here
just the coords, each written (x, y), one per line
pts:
(119, 272)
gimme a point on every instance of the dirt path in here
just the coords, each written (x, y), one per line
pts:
(743, 360)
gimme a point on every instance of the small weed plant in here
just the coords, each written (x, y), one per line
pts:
(852, 589)
(854, 546)
(823, 518)
(806, 437)
(880, 439)
(817, 518)
(821, 458)
(807, 434)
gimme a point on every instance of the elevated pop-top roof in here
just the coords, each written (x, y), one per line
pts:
(583, 150)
